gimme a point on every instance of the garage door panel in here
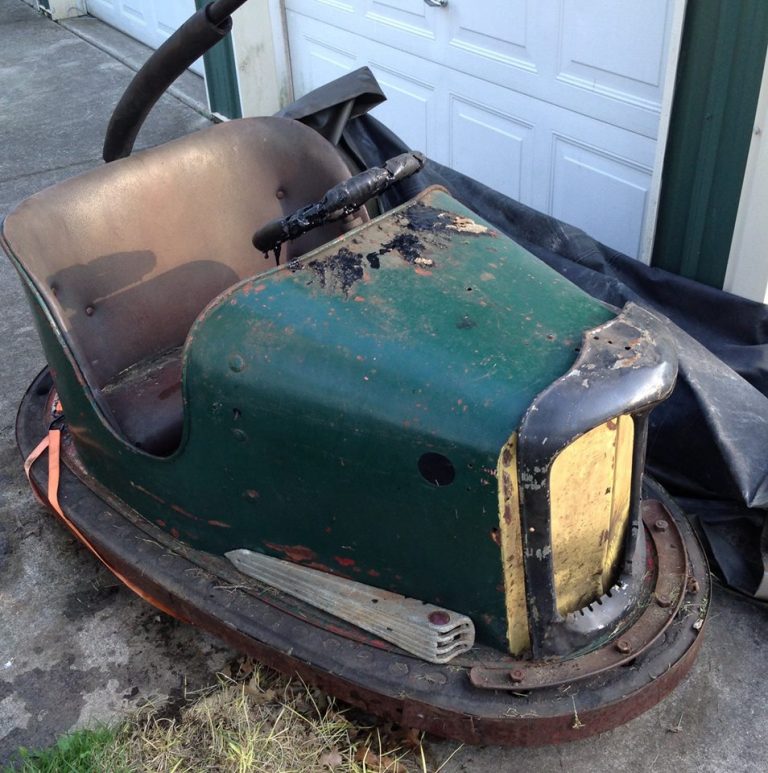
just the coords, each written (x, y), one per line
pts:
(499, 34)
(409, 16)
(408, 110)
(491, 146)
(614, 211)
(321, 63)
(617, 50)
(511, 94)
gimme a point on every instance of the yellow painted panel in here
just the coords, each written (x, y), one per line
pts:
(512, 549)
(590, 485)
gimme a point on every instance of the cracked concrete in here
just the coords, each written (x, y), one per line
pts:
(77, 648)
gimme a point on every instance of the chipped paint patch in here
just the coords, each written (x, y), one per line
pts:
(465, 225)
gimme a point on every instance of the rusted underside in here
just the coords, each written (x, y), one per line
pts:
(205, 591)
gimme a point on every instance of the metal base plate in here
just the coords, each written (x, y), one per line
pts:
(206, 591)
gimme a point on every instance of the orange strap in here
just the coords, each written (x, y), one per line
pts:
(52, 443)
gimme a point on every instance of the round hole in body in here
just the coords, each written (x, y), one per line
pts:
(436, 469)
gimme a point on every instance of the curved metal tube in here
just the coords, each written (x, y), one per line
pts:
(196, 36)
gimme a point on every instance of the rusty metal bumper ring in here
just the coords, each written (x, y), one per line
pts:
(659, 609)
(205, 590)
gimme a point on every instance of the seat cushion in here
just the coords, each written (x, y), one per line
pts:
(146, 403)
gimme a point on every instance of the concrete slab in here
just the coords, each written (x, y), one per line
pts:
(77, 648)
(83, 84)
(189, 88)
(12, 11)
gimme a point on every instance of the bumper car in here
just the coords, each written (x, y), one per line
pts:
(392, 453)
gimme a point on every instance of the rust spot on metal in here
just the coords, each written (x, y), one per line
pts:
(175, 533)
(374, 573)
(183, 512)
(251, 494)
(160, 522)
(611, 423)
(148, 493)
(320, 567)
(219, 524)
(259, 288)
(295, 553)
(359, 299)
(342, 561)
(422, 271)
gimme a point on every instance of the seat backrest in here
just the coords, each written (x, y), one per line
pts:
(127, 255)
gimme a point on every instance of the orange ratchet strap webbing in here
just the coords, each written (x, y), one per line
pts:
(52, 443)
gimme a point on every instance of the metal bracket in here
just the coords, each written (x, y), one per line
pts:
(432, 633)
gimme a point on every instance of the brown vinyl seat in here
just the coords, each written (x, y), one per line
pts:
(126, 256)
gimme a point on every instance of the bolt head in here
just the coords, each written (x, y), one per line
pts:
(663, 600)
(439, 618)
(661, 525)
(517, 675)
(624, 646)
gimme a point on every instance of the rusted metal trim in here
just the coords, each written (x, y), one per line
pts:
(626, 366)
(661, 608)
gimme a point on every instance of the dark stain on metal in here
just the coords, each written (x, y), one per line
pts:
(421, 217)
(466, 323)
(408, 245)
(339, 271)
(373, 259)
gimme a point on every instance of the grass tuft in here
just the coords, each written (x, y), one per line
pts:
(254, 720)
(82, 751)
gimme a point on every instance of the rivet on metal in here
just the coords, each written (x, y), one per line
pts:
(661, 525)
(89, 310)
(439, 618)
(663, 601)
(280, 193)
(240, 435)
(624, 646)
(236, 363)
(517, 675)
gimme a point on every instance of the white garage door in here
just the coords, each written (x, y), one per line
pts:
(553, 102)
(150, 21)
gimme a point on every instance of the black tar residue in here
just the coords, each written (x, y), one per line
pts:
(341, 270)
(345, 268)
(423, 218)
(408, 245)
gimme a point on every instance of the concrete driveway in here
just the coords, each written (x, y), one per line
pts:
(76, 647)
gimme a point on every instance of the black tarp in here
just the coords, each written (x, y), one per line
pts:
(708, 444)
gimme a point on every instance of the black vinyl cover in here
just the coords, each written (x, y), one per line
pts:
(708, 444)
